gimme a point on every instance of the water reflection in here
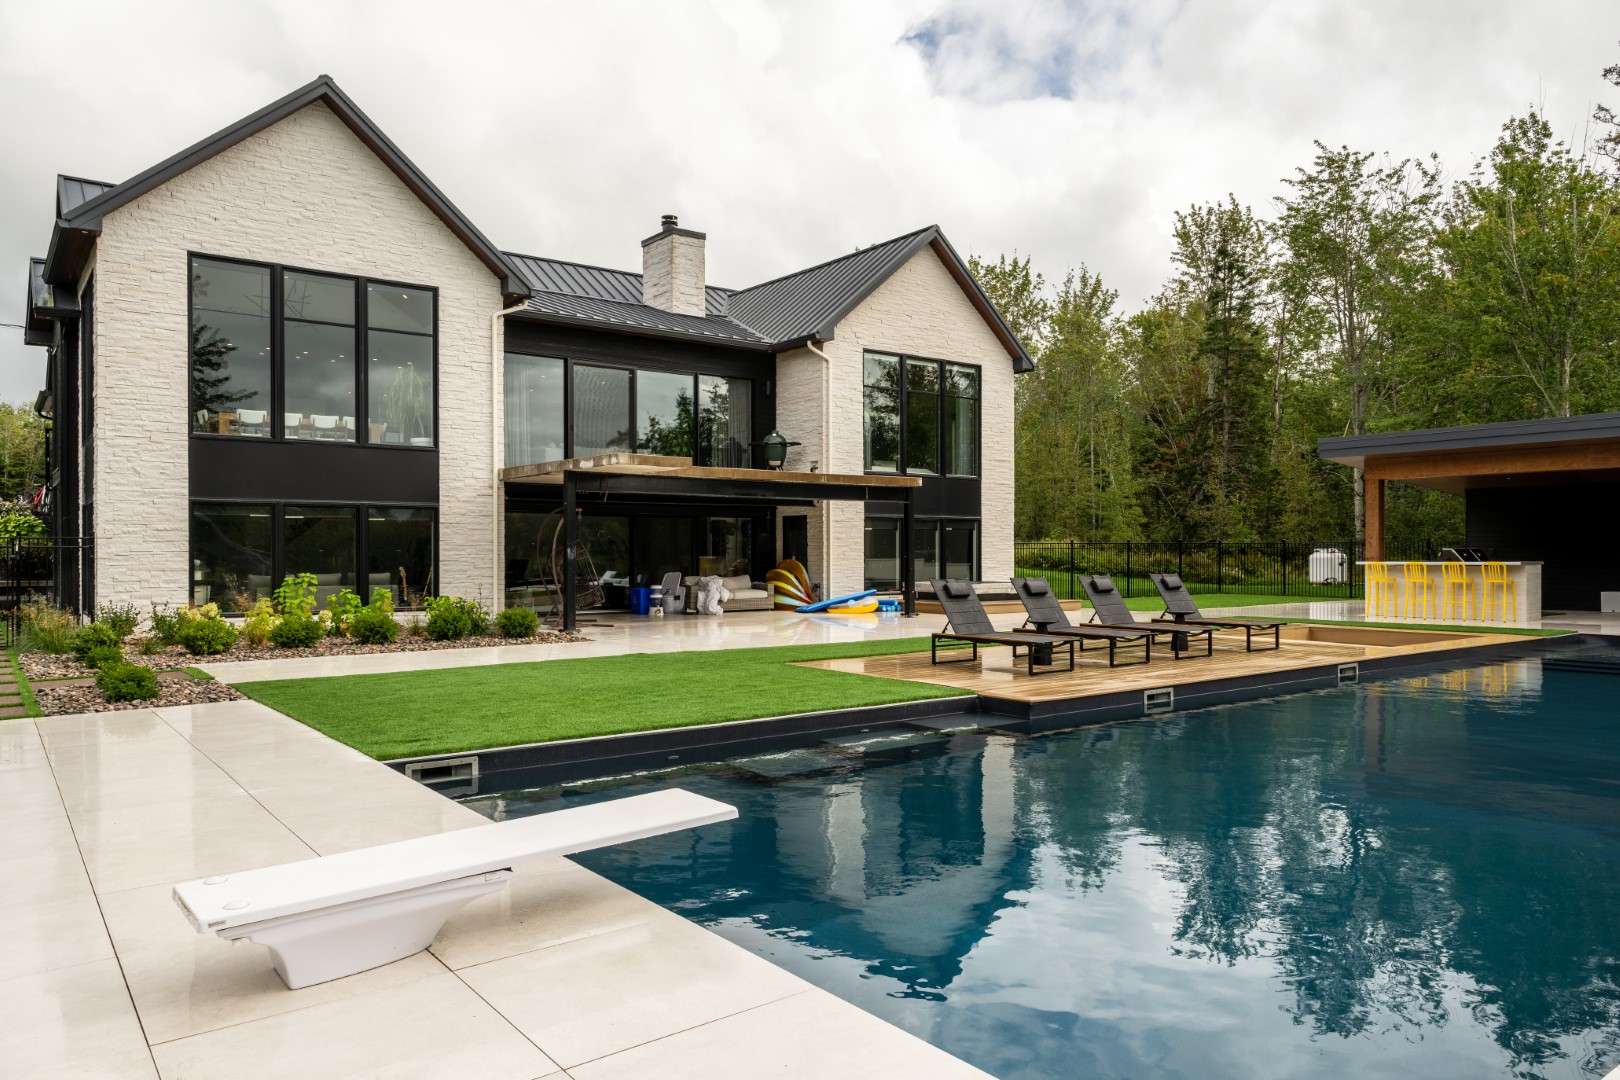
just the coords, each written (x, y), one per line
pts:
(1413, 878)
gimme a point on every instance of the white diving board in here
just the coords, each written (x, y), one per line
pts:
(336, 915)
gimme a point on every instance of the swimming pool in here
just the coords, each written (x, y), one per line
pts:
(1416, 877)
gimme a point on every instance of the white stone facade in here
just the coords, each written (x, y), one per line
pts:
(919, 311)
(304, 192)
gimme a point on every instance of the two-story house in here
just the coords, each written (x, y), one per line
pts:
(284, 350)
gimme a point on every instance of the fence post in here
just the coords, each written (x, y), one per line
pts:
(1071, 569)
(1220, 566)
(1285, 568)
(1127, 569)
(1181, 548)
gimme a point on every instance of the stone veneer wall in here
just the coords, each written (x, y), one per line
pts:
(920, 311)
(304, 192)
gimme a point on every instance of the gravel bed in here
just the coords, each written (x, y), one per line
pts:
(37, 666)
(84, 697)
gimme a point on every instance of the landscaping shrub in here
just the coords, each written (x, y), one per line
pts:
(517, 622)
(383, 600)
(451, 618)
(259, 620)
(296, 595)
(207, 637)
(16, 524)
(341, 610)
(127, 682)
(102, 656)
(166, 624)
(373, 626)
(150, 645)
(94, 636)
(46, 628)
(123, 618)
(296, 630)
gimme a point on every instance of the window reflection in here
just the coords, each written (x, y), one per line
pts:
(601, 410)
(664, 413)
(230, 349)
(725, 422)
(534, 409)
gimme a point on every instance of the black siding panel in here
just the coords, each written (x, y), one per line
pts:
(1570, 528)
(261, 470)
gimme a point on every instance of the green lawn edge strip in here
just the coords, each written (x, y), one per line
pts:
(450, 710)
(29, 704)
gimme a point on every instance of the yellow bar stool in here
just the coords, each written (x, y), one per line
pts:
(1456, 590)
(1419, 590)
(1501, 592)
(1382, 593)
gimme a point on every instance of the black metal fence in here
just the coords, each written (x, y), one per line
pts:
(40, 566)
(1307, 569)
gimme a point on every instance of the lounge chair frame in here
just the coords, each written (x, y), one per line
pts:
(971, 624)
(1108, 607)
(1180, 607)
(1042, 606)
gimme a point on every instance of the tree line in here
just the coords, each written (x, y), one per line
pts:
(1371, 296)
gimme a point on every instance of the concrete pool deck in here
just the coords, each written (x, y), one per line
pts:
(563, 975)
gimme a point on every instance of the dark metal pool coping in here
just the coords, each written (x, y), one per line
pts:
(570, 760)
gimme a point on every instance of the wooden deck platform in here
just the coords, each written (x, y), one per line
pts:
(995, 675)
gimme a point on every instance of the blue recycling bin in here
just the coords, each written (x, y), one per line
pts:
(640, 601)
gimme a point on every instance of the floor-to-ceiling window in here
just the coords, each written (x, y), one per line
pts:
(725, 422)
(231, 359)
(921, 416)
(664, 413)
(941, 548)
(535, 409)
(318, 356)
(232, 554)
(602, 421)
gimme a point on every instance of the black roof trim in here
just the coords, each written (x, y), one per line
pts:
(45, 304)
(86, 216)
(73, 192)
(1356, 449)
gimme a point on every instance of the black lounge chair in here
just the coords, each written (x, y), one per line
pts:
(1180, 606)
(1047, 615)
(1110, 612)
(966, 618)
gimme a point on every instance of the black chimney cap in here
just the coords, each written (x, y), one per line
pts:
(670, 221)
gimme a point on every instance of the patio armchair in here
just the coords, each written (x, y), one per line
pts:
(967, 621)
(1109, 609)
(1046, 613)
(1180, 606)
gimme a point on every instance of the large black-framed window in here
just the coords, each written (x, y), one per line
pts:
(921, 416)
(240, 551)
(276, 354)
(941, 548)
(560, 407)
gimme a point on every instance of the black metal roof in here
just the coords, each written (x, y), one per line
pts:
(1354, 450)
(783, 312)
(73, 192)
(83, 218)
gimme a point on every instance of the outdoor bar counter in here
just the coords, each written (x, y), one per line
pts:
(1526, 577)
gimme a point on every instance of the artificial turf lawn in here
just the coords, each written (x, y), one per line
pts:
(414, 713)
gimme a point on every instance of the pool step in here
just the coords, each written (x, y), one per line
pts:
(1593, 665)
(946, 724)
(888, 743)
(802, 762)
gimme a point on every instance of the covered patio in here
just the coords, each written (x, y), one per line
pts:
(1544, 491)
(604, 476)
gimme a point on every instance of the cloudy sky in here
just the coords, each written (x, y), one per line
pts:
(793, 132)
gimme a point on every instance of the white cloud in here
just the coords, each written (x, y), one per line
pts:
(791, 132)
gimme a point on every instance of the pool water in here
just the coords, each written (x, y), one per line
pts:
(1414, 878)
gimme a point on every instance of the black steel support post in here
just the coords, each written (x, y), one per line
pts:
(570, 541)
(908, 564)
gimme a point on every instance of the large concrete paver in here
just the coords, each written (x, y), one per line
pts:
(101, 814)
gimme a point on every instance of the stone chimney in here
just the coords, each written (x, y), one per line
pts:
(672, 276)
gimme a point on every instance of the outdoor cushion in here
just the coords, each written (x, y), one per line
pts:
(748, 594)
(1102, 583)
(740, 583)
(1036, 587)
(1171, 581)
(959, 590)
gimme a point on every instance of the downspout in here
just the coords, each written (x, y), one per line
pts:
(498, 600)
(826, 461)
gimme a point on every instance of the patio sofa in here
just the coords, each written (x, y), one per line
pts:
(746, 595)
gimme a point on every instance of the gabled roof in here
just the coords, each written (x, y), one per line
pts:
(80, 208)
(781, 313)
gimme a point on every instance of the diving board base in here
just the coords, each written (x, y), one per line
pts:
(346, 939)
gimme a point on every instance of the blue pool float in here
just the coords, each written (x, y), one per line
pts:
(811, 609)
